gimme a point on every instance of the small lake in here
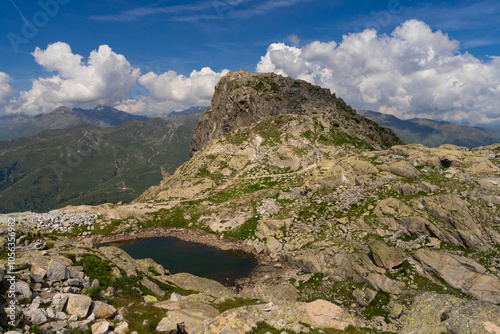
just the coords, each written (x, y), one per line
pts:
(198, 259)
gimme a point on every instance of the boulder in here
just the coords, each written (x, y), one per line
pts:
(78, 305)
(272, 227)
(175, 297)
(167, 325)
(6, 316)
(57, 272)
(187, 313)
(319, 314)
(384, 283)
(432, 313)
(151, 266)
(405, 189)
(402, 168)
(122, 328)
(22, 290)
(150, 299)
(324, 314)
(38, 317)
(285, 157)
(76, 282)
(206, 286)
(186, 320)
(102, 310)
(59, 302)
(364, 296)
(153, 287)
(385, 256)
(363, 167)
(461, 273)
(239, 320)
(121, 259)
(271, 293)
(273, 247)
(100, 327)
(238, 162)
(454, 212)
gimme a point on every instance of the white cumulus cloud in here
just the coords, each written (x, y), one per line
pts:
(104, 78)
(414, 72)
(173, 91)
(6, 90)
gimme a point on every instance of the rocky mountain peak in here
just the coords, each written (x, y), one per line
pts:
(242, 99)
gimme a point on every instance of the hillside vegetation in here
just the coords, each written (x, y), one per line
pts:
(87, 164)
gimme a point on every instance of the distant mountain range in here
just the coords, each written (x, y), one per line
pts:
(433, 133)
(20, 125)
(102, 155)
(87, 163)
(179, 114)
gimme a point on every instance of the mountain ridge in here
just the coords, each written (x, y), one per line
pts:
(434, 133)
(88, 164)
(12, 126)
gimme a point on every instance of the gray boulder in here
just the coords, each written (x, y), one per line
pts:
(461, 273)
(59, 302)
(153, 287)
(432, 313)
(385, 256)
(38, 317)
(22, 290)
(57, 272)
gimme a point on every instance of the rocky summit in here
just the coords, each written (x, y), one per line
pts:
(242, 99)
(354, 231)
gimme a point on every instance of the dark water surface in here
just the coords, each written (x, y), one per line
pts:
(198, 259)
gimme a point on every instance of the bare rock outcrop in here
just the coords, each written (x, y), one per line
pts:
(241, 99)
(433, 313)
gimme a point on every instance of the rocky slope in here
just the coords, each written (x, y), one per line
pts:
(364, 234)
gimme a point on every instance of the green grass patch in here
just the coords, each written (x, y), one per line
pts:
(335, 292)
(205, 173)
(95, 293)
(94, 267)
(376, 307)
(246, 230)
(229, 304)
(336, 137)
(104, 228)
(309, 135)
(140, 312)
(238, 137)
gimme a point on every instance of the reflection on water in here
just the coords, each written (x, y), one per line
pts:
(183, 256)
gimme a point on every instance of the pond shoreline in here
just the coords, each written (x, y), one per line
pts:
(266, 268)
(186, 234)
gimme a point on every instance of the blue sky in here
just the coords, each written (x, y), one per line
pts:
(167, 40)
